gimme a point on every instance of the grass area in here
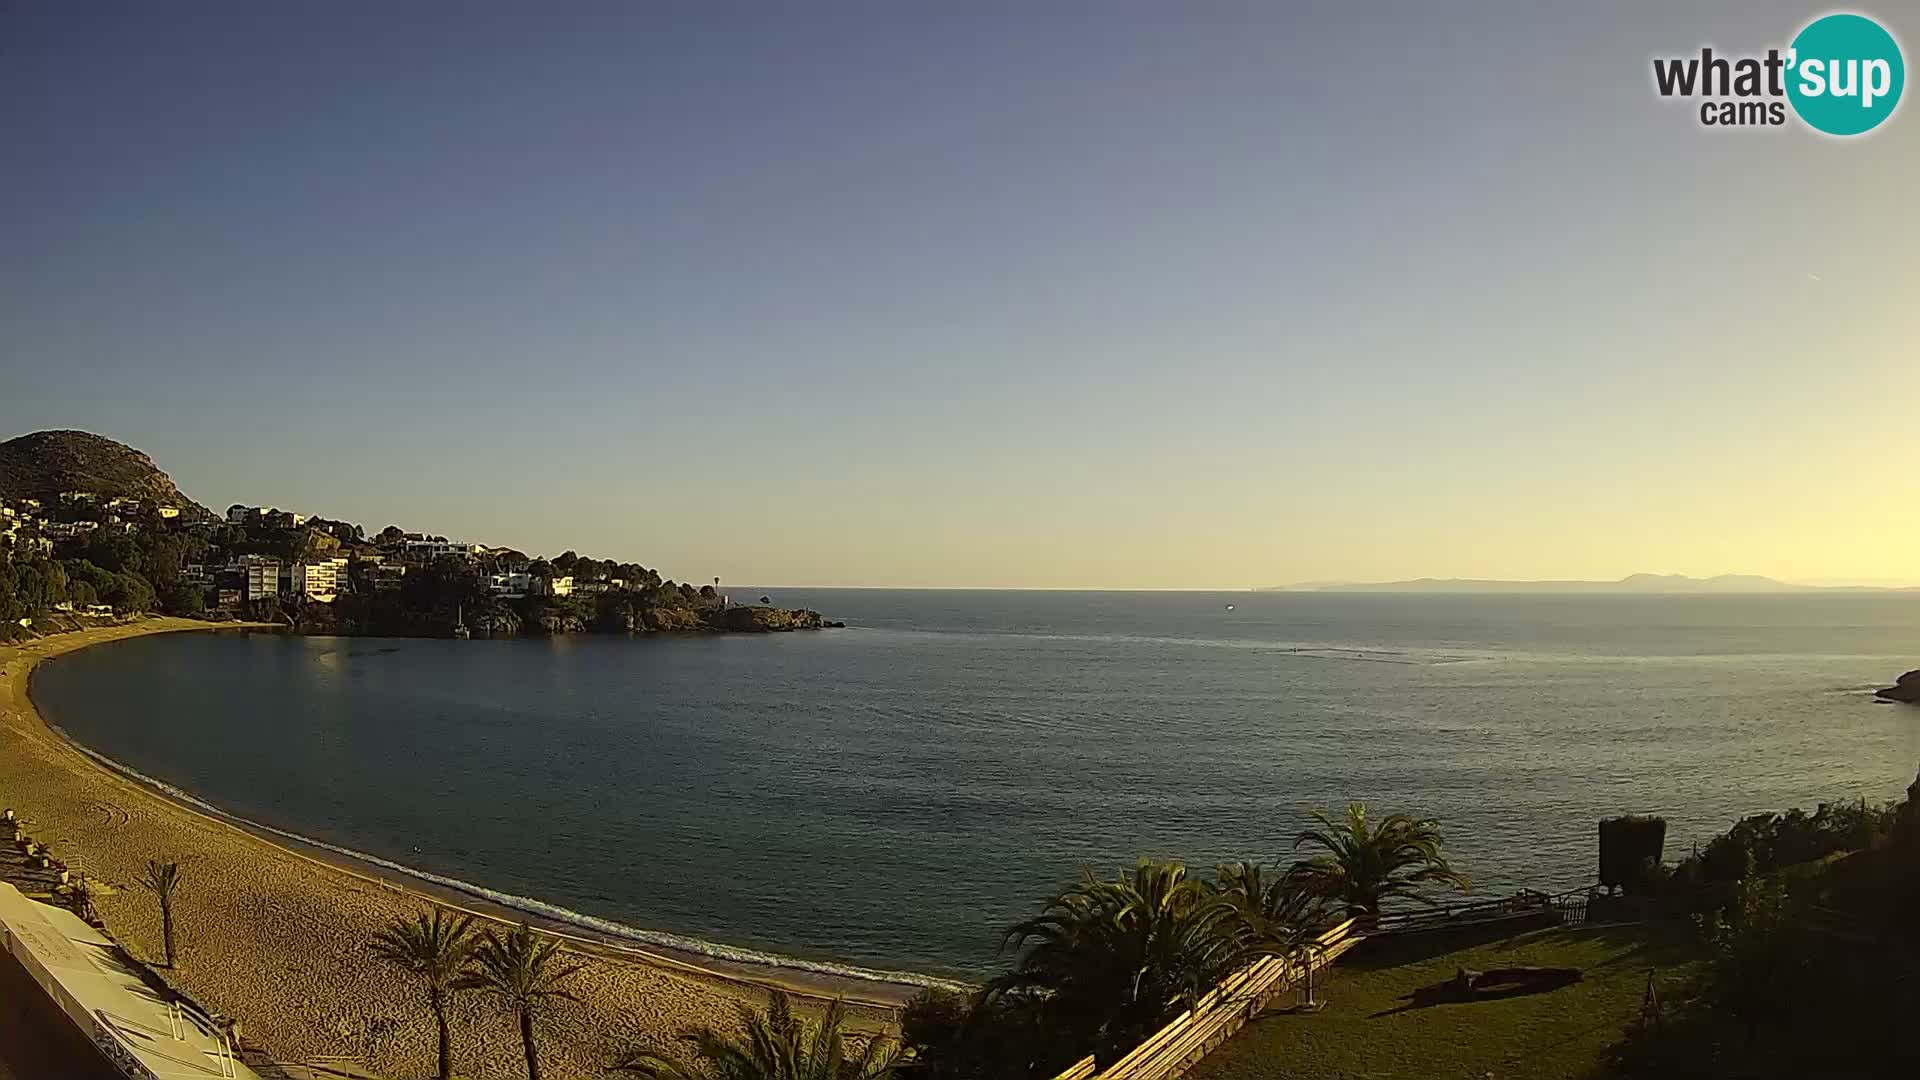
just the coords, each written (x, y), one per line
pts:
(1372, 1028)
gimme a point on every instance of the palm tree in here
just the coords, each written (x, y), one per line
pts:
(436, 948)
(1364, 864)
(162, 878)
(775, 1046)
(1114, 959)
(1279, 913)
(520, 970)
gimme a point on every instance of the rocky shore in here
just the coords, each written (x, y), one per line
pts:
(1904, 689)
(505, 621)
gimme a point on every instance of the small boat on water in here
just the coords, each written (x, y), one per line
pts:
(460, 630)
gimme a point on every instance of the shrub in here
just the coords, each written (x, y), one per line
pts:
(953, 1037)
(1764, 843)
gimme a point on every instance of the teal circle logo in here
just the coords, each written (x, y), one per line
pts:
(1845, 74)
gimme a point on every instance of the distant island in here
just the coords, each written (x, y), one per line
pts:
(1633, 584)
(92, 528)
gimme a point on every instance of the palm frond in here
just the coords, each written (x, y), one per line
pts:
(772, 1045)
(161, 878)
(519, 968)
(435, 946)
(1363, 862)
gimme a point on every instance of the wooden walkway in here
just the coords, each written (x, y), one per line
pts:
(1240, 997)
(1177, 1047)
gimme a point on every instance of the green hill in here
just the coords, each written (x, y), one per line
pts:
(46, 463)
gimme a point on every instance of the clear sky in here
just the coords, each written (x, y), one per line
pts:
(1076, 294)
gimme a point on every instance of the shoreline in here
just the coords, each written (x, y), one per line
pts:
(69, 772)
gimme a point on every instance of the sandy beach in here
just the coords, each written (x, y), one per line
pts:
(276, 936)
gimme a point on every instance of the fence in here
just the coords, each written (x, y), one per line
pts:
(1221, 1011)
(1175, 1048)
(1570, 908)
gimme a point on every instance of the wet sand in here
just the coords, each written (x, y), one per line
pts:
(274, 933)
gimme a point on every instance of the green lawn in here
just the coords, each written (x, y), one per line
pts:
(1371, 1028)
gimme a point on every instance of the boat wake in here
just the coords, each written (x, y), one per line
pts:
(606, 928)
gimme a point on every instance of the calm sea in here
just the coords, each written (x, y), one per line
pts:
(893, 794)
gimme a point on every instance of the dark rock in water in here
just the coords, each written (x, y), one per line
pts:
(761, 619)
(561, 624)
(1905, 688)
(663, 618)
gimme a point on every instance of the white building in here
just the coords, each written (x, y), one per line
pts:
(514, 586)
(263, 577)
(509, 586)
(318, 579)
(433, 549)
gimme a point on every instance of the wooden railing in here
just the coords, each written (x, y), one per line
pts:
(1221, 1011)
(1571, 906)
(1187, 1038)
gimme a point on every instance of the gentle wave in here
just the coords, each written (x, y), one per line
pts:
(1301, 650)
(658, 938)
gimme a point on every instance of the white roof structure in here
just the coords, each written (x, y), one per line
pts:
(145, 1035)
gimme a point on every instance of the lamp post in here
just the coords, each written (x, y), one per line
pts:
(1309, 1003)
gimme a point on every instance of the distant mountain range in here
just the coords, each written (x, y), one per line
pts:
(1632, 584)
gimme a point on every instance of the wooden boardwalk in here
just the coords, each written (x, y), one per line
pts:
(1222, 1011)
(1186, 1039)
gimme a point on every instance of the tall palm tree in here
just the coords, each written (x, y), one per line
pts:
(1363, 864)
(161, 879)
(775, 1045)
(435, 947)
(1115, 959)
(521, 971)
(1280, 912)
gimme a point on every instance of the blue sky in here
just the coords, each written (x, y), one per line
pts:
(1128, 295)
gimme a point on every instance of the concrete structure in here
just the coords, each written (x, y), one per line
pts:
(426, 550)
(262, 577)
(75, 1007)
(514, 586)
(509, 586)
(318, 579)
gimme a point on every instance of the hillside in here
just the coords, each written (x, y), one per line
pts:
(46, 463)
